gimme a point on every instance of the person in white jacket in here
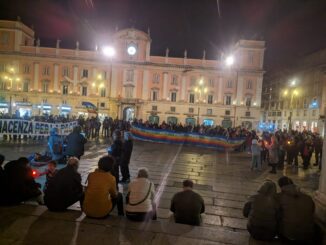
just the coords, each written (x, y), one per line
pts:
(140, 204)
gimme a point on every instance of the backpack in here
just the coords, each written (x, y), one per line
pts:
(57, 148)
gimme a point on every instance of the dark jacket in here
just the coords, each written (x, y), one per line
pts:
(187, 206)
(64, 189)
(75, 144)
(262, 212)
(127, 150)
(19, 184)
(116, 150)
(296, 214)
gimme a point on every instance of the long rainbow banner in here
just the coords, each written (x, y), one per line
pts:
(193, 139)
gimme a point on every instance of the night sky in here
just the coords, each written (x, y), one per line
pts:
(290, 28)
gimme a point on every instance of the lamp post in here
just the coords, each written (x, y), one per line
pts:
(110, 52)
(11, 77)
(293, 92)
(230, 62)
(200, 89)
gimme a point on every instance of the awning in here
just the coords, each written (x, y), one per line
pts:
(89, 105)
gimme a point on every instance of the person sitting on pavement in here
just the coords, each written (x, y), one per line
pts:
(76, 143)
(296, 213)
(20, 185)
(140, 198)
(50, 172)
(65, 187)
(101, 195)
(187, 205)
(55, 144)
(262, 212)
(126, 155)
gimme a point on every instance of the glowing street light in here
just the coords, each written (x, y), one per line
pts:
(293, 83)
(229, 60)
(108, 51)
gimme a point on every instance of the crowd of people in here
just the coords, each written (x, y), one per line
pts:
(39, 118)
(285, 147)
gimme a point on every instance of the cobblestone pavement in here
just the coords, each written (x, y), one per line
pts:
(223, 179)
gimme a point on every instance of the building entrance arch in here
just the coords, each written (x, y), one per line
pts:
(128, 113)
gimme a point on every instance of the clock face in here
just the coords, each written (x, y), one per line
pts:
(131, 50)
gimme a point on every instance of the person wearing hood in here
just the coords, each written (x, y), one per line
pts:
(262, 212)
(296, 213)
(255, 153)
(55, 144)
(75, 143)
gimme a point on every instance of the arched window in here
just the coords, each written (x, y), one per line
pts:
(190, 121)
(208, 122)
(172, 120)
(154, 119)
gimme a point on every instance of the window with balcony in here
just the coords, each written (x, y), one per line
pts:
(46, 71)
(248, 101)
(85, 73)
(210, 99)
(174, 80)
(103, 92)
(26, 69)
(45, 87)
(227, 99)
(211, 82)
(191, 98)
(129, 92)
(154, 95)
(25, 86)
(249, 84)
(173, 96)
(130, 75)
(229, 84)
(84, 91)
(65, 71)
(65, 89)
(156, 78)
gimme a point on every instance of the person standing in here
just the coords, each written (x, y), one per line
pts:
(76, 143)
(126, 155)
(273, 154)
(187, 205)
(115, 150)
(255, 155)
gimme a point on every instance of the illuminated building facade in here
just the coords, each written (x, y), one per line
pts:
(125, 81)
(296, 97)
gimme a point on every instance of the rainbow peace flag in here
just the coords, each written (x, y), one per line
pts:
(192, 139)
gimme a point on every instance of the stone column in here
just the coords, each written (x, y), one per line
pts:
(135, 83)
(113, 90)
(75, 79)
(220, 90)
(145, 85)
(56, 78)
(183, 87)
(320, 194)
(239, 84)
(259, 87)
(36, 75)
(165, 85)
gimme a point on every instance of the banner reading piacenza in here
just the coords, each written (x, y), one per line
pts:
(33, 128)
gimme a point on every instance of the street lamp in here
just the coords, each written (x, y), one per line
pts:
(11, 77)
(200, 89)
(230, 62)
(293, 93)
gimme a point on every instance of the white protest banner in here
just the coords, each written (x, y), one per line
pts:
(33, 128)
